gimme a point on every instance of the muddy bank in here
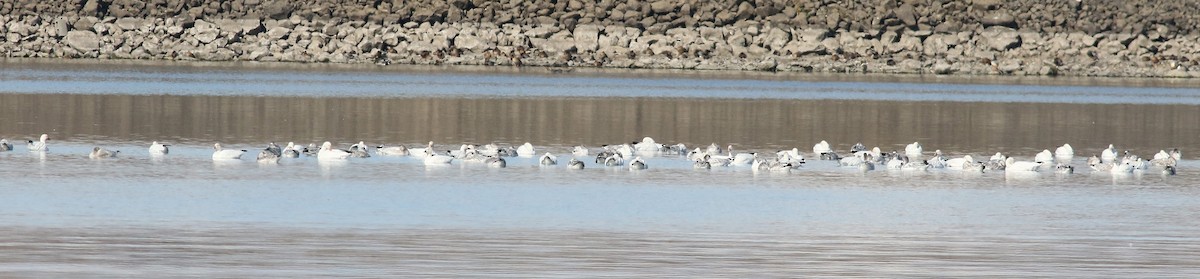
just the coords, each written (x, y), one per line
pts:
(1091, 38)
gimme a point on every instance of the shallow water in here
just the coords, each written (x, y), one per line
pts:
(184, 215)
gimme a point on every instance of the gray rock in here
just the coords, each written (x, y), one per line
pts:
(999, 18)
(663, 6)
(278, 33)
(84, 41)
(85, 23)
(907, 14)
(470, 42)
(587, 37)
(129, 23)
(1001, 38)
(205, 35)
(555, 45)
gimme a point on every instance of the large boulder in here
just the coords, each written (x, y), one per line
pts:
(1001, 38)
(587, 37)
(83, 40)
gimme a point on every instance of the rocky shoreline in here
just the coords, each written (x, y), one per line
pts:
(981, 37)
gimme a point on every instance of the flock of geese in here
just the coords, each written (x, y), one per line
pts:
(629, 155)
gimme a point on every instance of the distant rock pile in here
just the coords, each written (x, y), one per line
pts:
(1024, 37)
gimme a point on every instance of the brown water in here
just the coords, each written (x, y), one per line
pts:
(185, 215)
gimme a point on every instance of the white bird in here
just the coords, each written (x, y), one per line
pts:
(1109, 154)
(822, 148)
(495, 162)
(852, 161)
(579, 150)
(271, 154)
(897, 162)
(158, 149)
(1064, 151)
(226, 154)
(1044, 157)
(959, 163)
(637, 163)
(5, 146)
(1011, 164)
(914, 149)
(937, 161)
(647, 145)
(101, 153)
(39, 145)
(359, 150)
(575, 164)
(290, 151)
(423, 152)
(526, 150)
(433, 159)
(713, 149)
(327, 152)
(916, 165)
(763, 165)
(998, 157)
(615, 160)
(1064, 169)
(548, 159)
(742, 159)
(399, 150)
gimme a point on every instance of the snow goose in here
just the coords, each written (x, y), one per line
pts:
(858, 147)
(1044, 157)
(433, 159)
(701, 164)
(220, 153)
(897, 162)
(290, 151)
(1109, 154)
(1011, 164)
(1175, 153)
(5, 146)
(526, 150)
(548, 159)
(269, 155)
(158, 149)
(327, 152)
(101, 153)
(39, 145)
(677, 149)
(713, 149)
(359, 150)
(603, 156)
(959, 163)
(647, 145)
(718, 161)
(1064, 169)
(495, 162)
(637, 163)
(579, 150)
(763, 165)
(575, 164)
(742, 159)
(852, 161)
(822, 148)
(311, 150)
(937, 161)
(914, 149)
(398, 150)
(916, 165)
(614, 160)
(1064, 151)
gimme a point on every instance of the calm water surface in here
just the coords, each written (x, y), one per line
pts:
(65, 215)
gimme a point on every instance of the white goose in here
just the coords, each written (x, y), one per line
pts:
(398, 150)
(526, 150)
(39, 145)
(647, 145)
(742, 159)
(548, 159)
(822, 148)
(575, 164)
(1044, 157)
(495, 162)
(637, 163)
(5, 146)
(158, 149)
(959, 163)
(433, 159)
(581, 151)
(101, 153)
(1109, 154)
(914, 149)
(327, 152)
(1064, 151)
(290, 151)
(1011, 164)
(220, 153)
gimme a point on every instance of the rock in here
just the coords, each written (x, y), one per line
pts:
(907, 14)
(663, 6)
(470, 42)
(277, 33)
(555, 45)
(1001, 38)
(205, 35)
(587, 37)
(129, 23)
(84, 41)
(942, 68)
(999, 18)
(804, 47)
(85, 23)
